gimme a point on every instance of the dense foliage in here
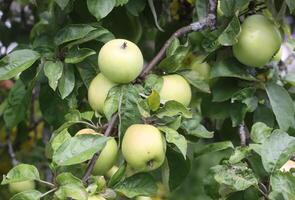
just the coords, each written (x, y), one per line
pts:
(196, 102)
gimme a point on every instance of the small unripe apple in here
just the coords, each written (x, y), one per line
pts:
(96, 197)
(98, 91)
(21, 186)
(120, 60)
(258, 41)
(176, 88)
(107, 156)
(143, 147)
(143, 198)
(290, 164)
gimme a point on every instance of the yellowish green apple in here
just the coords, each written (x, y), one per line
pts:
(176, 88)
(98, 91)
(107, 156)
(21, 186)
(120, 60)
(258, 41)
(143, 147)
(96, 197)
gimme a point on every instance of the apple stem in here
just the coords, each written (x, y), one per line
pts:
(124, 45)
(150, 164)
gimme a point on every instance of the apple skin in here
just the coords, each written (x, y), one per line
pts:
(120, 60)
(107, 157)
(290, 164)
(21, 186)
(143, 147)
(176, 88)
(98, 91)
(258, 42)
(96, 197)
(143, 198)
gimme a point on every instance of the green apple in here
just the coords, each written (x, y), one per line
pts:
(203, 69)
(143, 147)
(21, 186)
(107, 156)
(258, 42)
(98, 91)
(112, 171)
(176, 88)
(96, 197)
(120, 60)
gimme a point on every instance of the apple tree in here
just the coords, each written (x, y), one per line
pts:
(147, 100)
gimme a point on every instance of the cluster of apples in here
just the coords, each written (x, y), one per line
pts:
(143, 146)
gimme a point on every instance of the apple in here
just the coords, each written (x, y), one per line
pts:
(112, 171)
(176, 88)
(203, 69)
(96, 197)
(143, 147)
(21, 186)
(258, 41)
(120, 60)
(98, 91)
(107, 156)
(288, 166)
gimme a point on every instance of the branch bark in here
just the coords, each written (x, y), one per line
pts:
(244, 134)
(208, 22)
(10, 149)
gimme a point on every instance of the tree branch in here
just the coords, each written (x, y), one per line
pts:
(208, 22)
(244, 134)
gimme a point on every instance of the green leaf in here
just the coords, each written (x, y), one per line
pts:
(72, 32)
(17, 104)
(117, 177)
(239, 154)
(283, 183)
(68, 178)
(260, 132)
(87, 71)
(111, 103)
(66, 83)
(62, 3)
(291, 5)
(154, 100)
(214, 147)
(121, 2)
(281, 104)
(100, 8)
(173, 108)
(276, 150)
(141, 184)
(128, 109)
(173, 137)
(21, 172)
(230, 34)
(27, 195)
(194, 128)
(16, 62)
(135, 6)
(230, 7)
(237, 177)
(173, 47)
(53, 71)
(71, 190)
(230, 68)
(224, 89)
(178, 168)
(196, 80)
(201, 9)
(56, 140)
(78, 149)
(153, 82)
(78, 55)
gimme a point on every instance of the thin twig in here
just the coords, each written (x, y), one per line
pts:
(10, 149)
(208, 22)
(50, 191)
(244, 134)
(46, 183)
